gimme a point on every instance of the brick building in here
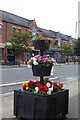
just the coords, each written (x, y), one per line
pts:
(10, 22)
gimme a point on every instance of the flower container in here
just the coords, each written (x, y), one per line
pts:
(33, 106)
(41, 70)
(40, 45)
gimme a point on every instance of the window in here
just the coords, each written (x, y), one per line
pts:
(0, 29)
(34, 33)
(59, 41)
(56, 42)
(71, 42)
(19, 29)
(14, 29)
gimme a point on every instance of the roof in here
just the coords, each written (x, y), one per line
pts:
(46, 32)
(74, 39)
(54, 33)
(68, 37)
(14, 19)
(64, 37)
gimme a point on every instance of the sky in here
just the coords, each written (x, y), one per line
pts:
(56, 15)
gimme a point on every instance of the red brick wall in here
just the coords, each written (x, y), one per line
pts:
(3, 32)
(34, 25)
(10, 30)
(0, 35)
(9, 35)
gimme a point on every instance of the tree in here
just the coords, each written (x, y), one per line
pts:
(19, 43)
(66, 50)
(77, 49)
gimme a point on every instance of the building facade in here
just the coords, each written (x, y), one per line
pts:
(10, 23)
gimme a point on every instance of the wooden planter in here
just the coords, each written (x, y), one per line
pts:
(40, 70)
(33, 106)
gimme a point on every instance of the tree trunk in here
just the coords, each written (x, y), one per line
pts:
(19, 60)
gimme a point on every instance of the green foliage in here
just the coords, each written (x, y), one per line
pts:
(66, 49)
(77, 47)
(29, 49)
(19, 42)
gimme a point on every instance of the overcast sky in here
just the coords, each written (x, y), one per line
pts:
(57, 15)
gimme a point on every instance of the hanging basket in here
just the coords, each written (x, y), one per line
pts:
(41, 70)
(40, 45)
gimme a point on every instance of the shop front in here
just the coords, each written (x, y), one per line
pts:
(10, 57)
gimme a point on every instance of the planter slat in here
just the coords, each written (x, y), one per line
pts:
(29, 105)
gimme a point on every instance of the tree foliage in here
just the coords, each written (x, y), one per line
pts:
(19, 42)
(66, 49)
(77, 47)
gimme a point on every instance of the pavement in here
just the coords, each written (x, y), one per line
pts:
(7, 102)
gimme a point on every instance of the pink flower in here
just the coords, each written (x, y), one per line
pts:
(45, 59)
(36, 56)
(40, 58)
(59, 83)
(28, 62)
(54, 61)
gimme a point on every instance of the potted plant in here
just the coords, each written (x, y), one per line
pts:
(41, 65)
(41, 98)
(41, 101)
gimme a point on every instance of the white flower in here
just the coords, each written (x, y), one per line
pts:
(51, 89)
(49, 92)
(48, 85)
(35, 63)
(34, 59)
(26, 88)
(29, 66)
(36, 89)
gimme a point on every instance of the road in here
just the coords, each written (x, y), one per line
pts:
(10, 75)
(14, 75)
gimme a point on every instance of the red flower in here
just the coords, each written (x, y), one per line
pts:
(43, 92)
(29, 83)
(55, 86)
(45, 88)
(35, 78)
(44, 81)
(24, 85)
(38, 84)
(61, 84)
(40, 87)
(33, 82)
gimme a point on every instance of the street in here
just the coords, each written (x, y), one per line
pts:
(65, 73)
(13, 76)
